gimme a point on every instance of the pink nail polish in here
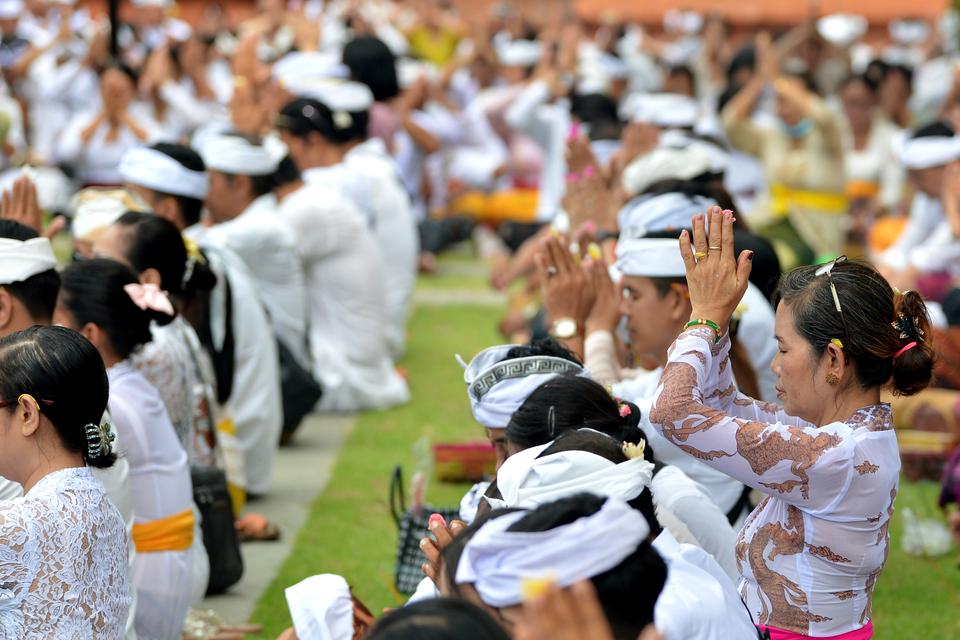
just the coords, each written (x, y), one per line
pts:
(588, 172)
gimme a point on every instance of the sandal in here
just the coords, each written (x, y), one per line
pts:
(253, 527)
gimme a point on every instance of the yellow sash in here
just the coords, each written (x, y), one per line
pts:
(173, 533)
(785, 198)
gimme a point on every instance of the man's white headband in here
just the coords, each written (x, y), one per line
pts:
(21, 259)
(155, 170)
(528, 479)
(235, 155)
(927, 152)
(497, 561)
(650, 258)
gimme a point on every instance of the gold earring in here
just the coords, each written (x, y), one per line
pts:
(832, 378)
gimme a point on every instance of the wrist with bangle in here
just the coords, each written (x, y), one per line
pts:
(703, 322)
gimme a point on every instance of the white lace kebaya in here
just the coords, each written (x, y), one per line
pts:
(63, 562)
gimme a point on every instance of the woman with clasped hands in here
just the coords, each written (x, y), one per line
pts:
(811, 552)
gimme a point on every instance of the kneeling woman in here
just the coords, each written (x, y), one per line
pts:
(63, 544)
(811, 552)
(104, 301)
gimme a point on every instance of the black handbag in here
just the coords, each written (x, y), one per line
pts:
(411, 527)
(219, 534)
(299, 390)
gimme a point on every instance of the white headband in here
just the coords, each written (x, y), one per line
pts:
(528, 479)
(95, 209)
(661, 109)
(21, 259)
(498, 387)
(927, 152)
(321, 608)
(650, 258)
(497, 561)
(156, 170)
(664, 212)
(235, 155)
(665, 164)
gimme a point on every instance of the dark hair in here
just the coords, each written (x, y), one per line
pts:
(437, 619)
(938, 129)
(65, 374)
(594, 108)
(190, 208)
(627, 592)
(38, 293)
(154, 243)
(372, 63)
(860, 78)
(570, 402)
(904, 70)
(545, 347)
(286, 173)
(128, 71)
(303, 116)
(93, 291)
(745, 58)
(880, 323)
(698, 186)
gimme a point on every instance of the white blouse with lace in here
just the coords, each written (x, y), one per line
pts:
(63, 561)
(810, 554)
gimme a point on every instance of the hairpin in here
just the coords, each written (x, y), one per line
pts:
(99, 440)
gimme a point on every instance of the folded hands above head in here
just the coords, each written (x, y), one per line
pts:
(716, 277)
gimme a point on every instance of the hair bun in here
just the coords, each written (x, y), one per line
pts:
(914, 359)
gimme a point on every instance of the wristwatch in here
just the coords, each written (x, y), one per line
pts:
(563, 328)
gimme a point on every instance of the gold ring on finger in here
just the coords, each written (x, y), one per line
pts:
(715, 248)
(700, 255)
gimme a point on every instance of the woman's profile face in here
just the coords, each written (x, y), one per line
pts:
(801, 386)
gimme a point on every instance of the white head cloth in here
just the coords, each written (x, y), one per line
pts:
(661, 109)
(519, 53)
(497, 388)
(298, 67)
(529, 480)
(321, 608)
(678, 139)
(679, 21)
(11, 9)
(235, 155)
(663, 212)
(410, 70)
(95, 209)
(352, 97)
(664, 164)
(908, 32)
(155, 170)
(927, 152)
(650, 258)
(496, 561)
(21, 259)
(842, 29)
(153, 3)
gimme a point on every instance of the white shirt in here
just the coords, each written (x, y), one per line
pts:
(64, 549)
(926, 242)
(698, 600)
(160, 487)
(255, 402)
(96, 161)
(876, 162)
(368, 176)
(548, 124)
(268, 247)
(345, 290)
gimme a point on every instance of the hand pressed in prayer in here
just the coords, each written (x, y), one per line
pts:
(588, 199)
(605, 313)
(564, 614)
(433, 549)
(637, 139)
(716, 277)
(565, 286)
(20, 204)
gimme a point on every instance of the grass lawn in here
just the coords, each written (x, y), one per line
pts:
(350, 531)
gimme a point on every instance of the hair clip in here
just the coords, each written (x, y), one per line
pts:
(633, 451)
(907, 327)
(837, 342)
(552, 421)
(99, 439)
(625, 409)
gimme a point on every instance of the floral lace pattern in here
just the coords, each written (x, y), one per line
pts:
(63, 562)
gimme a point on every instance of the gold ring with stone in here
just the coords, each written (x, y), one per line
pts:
(700, 255)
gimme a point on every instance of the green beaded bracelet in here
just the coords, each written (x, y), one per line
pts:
(706, 323)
